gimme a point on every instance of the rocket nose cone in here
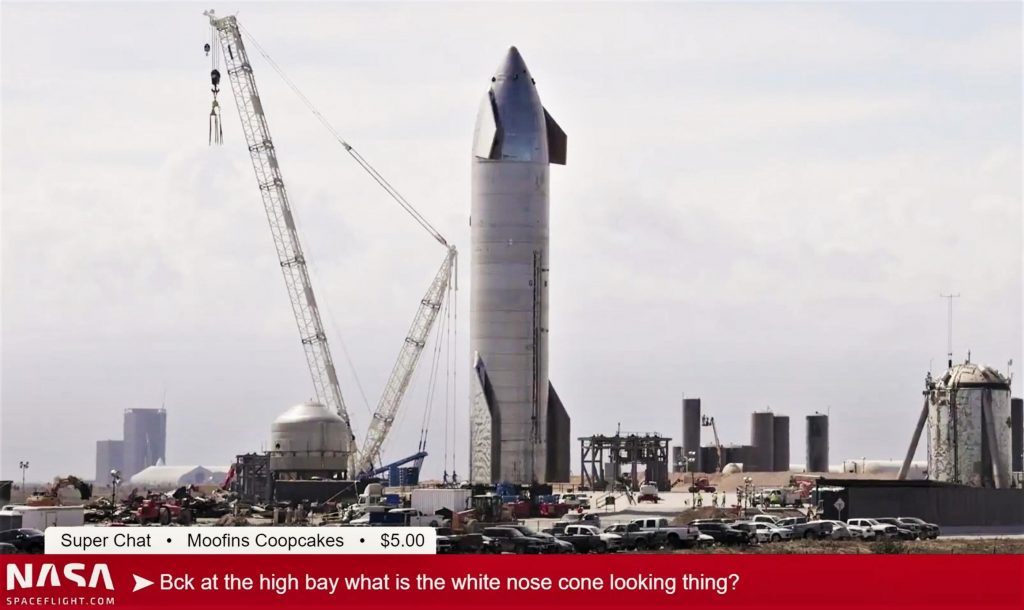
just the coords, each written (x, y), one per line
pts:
(512, 65)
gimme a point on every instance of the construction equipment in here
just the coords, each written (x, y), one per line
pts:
(404, 367)
(227, 32)
(160, 510)
(488, 509)
(279, 213)
(51, 496)
(701, 484)
(706, 421)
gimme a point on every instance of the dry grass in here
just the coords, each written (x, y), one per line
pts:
(1002, 546)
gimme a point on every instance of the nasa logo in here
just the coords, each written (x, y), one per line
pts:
(25, 577)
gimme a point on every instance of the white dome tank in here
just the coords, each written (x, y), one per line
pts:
(309, 437)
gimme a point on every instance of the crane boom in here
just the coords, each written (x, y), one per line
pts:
(402, 372)
(279, 214)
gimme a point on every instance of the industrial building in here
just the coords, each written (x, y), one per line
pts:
(768, 450)
(109, 457)
(145, 439)
(144, 444)
(607, 460)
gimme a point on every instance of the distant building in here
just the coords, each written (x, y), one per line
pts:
(145, 440)
(109, 456)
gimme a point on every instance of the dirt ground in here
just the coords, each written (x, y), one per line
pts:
(1001, 546)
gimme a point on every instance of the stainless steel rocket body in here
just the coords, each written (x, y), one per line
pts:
(514, 143)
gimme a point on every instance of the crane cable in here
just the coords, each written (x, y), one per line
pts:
(439, 341)
(363, 163)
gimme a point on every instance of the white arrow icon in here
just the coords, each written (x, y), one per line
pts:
(141, 583)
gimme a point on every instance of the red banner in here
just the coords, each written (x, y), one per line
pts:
(375, 582)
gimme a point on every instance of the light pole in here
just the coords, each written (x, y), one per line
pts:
(24, 467)
(115, 478)
(691, 459)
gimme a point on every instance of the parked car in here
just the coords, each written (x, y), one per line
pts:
(24, 540)
(583, 518)
(861, 532)
(633, 537)
(751, 527)
(575, 500)
(765, 519)
(774, 532)
(791, 521)
(551, 544)
(511, 540)
(674, 536)
(803, 528)
(928, 530)
(840, 531)
(881, 529)
(903, 532)
(725, 534)
(589, 539)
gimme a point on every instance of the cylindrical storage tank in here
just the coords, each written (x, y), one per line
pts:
(1017, 434)
(739, 454)
(691, 432)
(309, 437)
(964, 445)
(817, 443)
(762, 430)
(709, 459)
(780, 443)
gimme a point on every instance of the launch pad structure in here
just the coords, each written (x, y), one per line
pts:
(602, 459)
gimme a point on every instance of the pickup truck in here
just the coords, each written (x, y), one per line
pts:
(803, 528)
(583, 518)
(633, 537)
(674, 536)
(881, 530)
(589, 539)
(511, 540)
(906, 531)
(413, 517)
(926, 530)
(552, 544)
(724, 533)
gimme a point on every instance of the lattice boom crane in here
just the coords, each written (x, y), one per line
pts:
(401, 374)
(279, 213)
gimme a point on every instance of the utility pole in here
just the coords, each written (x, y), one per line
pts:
(682, 435)
(949, 331)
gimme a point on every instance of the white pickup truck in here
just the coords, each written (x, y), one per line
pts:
(416, 518)
(674, 536)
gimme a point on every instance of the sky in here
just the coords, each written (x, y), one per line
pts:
(761, 207)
